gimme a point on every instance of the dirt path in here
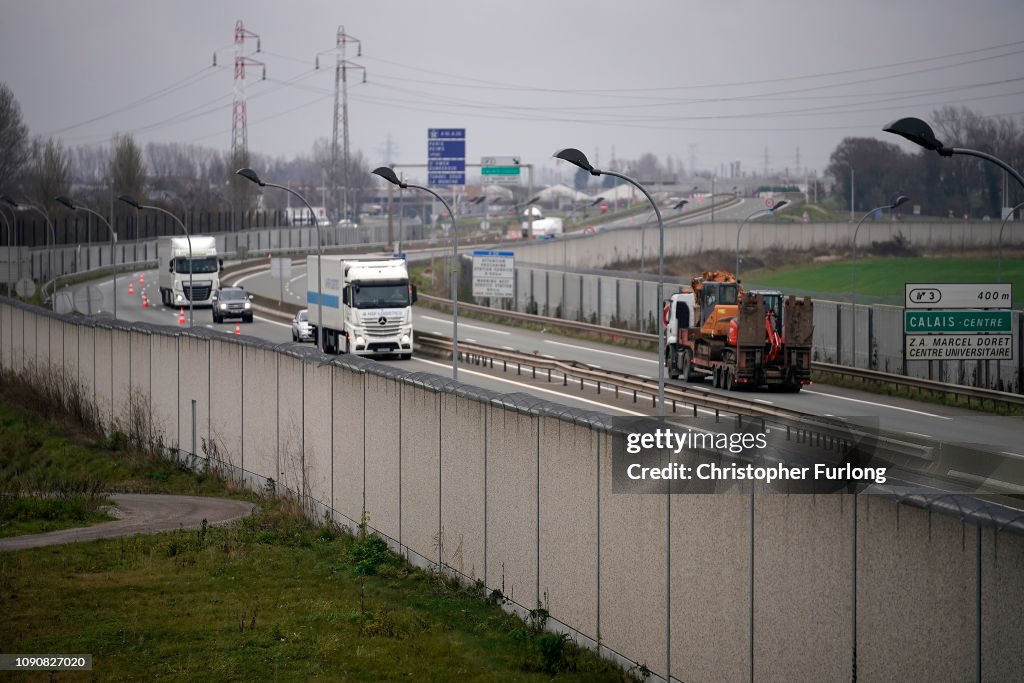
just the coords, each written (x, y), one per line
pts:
(141, 514)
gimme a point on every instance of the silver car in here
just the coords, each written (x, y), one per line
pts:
(301, 329)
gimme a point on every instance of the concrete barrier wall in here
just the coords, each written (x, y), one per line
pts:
(613, 246)
(875, 337)
(517, 493)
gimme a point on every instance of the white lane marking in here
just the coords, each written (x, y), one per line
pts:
(923, 436)
(880, 405)
(1013, 455)
(470, 341)
(761, 400)
(508, 348)
(532, 387)
(577, 347)
(272, 322)
(294, 279)
(462, 324)
(247, 277)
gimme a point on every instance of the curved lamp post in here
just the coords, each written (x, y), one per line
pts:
(999, 269)
(388, 174)
(53, 235)
(853, 266)
(113, 239)
(251, 176)
(579, 159)
(130, 201)
(781, 204)
(920, 133)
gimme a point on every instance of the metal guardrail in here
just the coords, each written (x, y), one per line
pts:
(982, 396)
(828, 433)
(934, 387)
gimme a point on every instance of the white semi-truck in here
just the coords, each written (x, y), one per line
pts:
(172, 255)
(367, 305)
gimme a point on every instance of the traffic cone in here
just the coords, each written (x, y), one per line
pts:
(238, 328)
(131, 288)
(142, 279)
(181, 317)
(145, 300)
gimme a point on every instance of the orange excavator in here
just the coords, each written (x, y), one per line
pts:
(757, 338)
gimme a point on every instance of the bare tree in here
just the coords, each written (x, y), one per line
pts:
(49, 174)
(14, 146)
(126, 172)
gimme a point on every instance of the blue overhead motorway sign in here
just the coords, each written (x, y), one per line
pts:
(446, 157)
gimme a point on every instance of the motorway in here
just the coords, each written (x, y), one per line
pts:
(920, 422)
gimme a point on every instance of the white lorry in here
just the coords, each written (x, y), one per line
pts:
(367, 305)
(172, 255)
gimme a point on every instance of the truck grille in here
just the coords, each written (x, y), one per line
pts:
(390, 328)
(196, 293)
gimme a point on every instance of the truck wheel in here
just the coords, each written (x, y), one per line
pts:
(727, 379)
(671, 362)
(685, 369)
(716, 378)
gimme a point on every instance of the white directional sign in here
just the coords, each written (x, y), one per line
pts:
(959, 346)
(499, 170)
(494, 274)
(956, 321)
(959, 295)
(280, 267)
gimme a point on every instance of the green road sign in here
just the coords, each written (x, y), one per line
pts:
(499, 170)
(925, 322)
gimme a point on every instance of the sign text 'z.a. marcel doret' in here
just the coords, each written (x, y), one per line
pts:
(959, 347)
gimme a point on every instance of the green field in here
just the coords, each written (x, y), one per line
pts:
(882, 279)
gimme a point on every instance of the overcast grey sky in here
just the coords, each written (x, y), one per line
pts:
(712, 81)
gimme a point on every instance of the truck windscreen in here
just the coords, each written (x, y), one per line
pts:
(384, 295)
(199, 265)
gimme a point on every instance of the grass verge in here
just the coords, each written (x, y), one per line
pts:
(273, 596)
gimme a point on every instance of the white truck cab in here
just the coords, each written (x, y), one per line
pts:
(367, 305)
(182, 279)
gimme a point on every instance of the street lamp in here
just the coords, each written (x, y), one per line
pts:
(113, 240)
(250, 175)
(999, 270)
(853, 266)
(920, 133)
(53, 236)
(388, 174)
(579, 159)
(778, 205)
(130, 201)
